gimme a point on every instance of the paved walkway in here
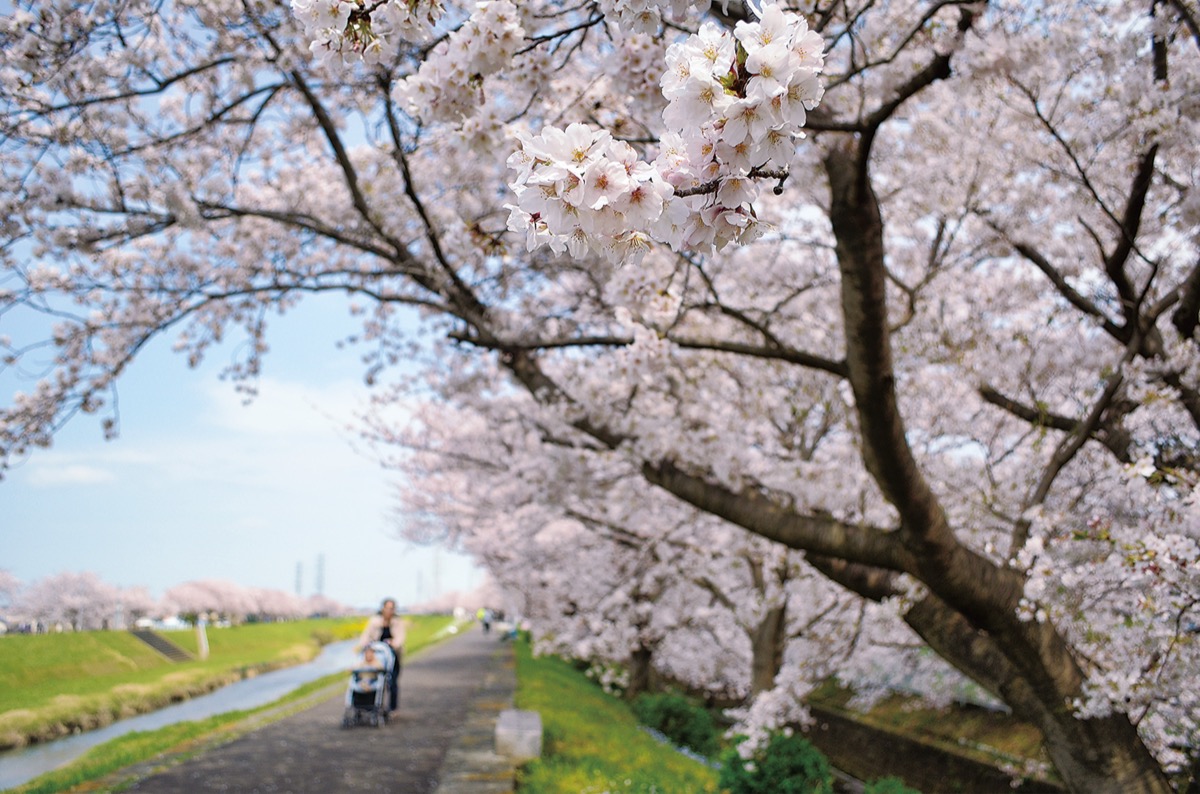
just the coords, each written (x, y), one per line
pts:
(440, 740)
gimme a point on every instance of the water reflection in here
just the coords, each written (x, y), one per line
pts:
(24, 764)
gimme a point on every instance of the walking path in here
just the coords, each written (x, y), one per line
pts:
(439, 742)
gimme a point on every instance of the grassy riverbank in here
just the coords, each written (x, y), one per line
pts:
(55, 684)
(593, 743)
(592, 740)
(100, 769)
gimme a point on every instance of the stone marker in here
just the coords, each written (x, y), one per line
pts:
(519, 735)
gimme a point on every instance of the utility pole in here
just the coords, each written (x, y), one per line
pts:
(321, 574)
(299, 578)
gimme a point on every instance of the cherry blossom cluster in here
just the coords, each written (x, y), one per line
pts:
(579, 189)
(355, 29)
(735, 106)
(643, 16)
(447, 86)
(634, 71)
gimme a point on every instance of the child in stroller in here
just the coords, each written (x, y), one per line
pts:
(368, 686)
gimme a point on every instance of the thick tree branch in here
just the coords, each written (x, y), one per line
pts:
(820, 534)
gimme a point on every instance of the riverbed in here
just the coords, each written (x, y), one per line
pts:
(23, 764)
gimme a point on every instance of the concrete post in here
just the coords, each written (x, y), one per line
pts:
(519, 735)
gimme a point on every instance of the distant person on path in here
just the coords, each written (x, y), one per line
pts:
(387, 626)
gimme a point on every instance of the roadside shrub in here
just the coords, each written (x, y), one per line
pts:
(786, 765)
(680, 720)
(889, 785)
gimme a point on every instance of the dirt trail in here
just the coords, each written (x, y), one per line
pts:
(310, 753)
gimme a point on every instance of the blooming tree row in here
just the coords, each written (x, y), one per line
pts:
(216, 599)
(78, 601)
(83, 601)
(943, 348)
(611, 571)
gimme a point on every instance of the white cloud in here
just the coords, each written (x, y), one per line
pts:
(284, 407)
(91, 464)
(50, 475)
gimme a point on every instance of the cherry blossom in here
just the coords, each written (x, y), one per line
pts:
(930, 372)
(736, 101)
(450, 81)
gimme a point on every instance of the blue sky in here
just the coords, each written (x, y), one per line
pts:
(200, 486)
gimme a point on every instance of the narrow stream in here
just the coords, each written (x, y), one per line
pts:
(21, 765)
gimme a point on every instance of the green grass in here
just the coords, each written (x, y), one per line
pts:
(100, 768)
(592, 742)
(55, 684)
(34, 668)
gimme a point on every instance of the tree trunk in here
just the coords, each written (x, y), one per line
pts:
(640, 671)
(767, 643)
(1094, 755)
(970, 618)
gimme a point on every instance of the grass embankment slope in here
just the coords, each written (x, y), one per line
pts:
(255, 647)
(592, 742)
(54, 684)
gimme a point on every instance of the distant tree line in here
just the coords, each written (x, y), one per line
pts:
(83, 601)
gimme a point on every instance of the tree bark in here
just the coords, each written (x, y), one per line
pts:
(767, 643)
(640, 671)
(971, 616)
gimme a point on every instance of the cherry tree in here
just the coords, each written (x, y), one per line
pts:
(271, 604)
(212, 599)
(136, 603)
(320, 605)
(79, 601)
(614, 573)
(974, 285)
(587, 572)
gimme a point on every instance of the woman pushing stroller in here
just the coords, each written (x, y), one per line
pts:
(388, 627)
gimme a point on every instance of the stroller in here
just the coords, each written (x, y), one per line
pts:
(368, 686)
